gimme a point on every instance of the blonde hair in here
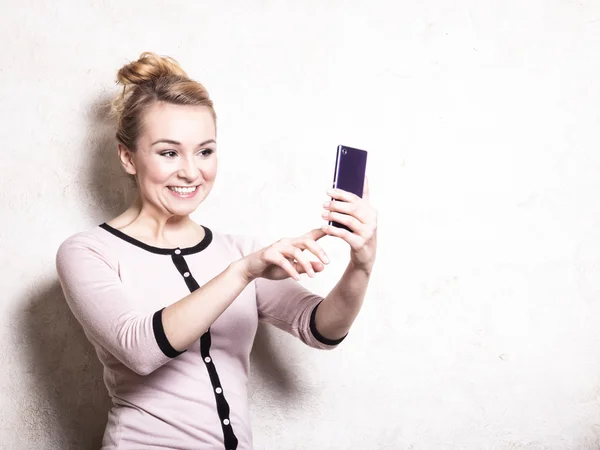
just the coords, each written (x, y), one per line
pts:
(150, 79)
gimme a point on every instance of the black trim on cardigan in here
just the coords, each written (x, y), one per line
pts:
(229, 438)
(162, 251)
(161, 337)
(183, 269)
(313, 328)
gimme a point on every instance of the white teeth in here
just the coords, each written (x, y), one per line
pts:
(183, 190)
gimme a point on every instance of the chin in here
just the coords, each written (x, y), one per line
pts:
(183, 211)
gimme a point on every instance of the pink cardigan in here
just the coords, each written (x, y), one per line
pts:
(117, 286)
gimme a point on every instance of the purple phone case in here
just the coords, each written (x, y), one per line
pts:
(349, 175)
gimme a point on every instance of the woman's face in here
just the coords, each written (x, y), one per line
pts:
(175, 161)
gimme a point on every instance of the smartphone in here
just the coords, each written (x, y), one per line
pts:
(349, 174)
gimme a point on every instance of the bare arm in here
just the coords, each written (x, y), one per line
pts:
(186, 320)
(144, 341)
(337, 312)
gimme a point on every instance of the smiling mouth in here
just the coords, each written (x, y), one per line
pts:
(183, 190)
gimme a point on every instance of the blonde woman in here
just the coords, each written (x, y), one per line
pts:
(171, 306)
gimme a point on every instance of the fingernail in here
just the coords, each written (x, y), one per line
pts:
(330, 191)
(325, 259)
(324, 215)
(326, 204)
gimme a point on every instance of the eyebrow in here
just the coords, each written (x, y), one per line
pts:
(171, 141)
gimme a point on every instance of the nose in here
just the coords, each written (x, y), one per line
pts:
(189, 170)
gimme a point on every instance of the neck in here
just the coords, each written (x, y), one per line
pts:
(146, 221)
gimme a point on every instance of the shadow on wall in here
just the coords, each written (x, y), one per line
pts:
(268, 365)
(64, 363)
(106, 190)
(67, 372)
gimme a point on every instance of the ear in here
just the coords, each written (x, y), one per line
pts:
(126, 158)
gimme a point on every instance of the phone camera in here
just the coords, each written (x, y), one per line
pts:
(344, 151)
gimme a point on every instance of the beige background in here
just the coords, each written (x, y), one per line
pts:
(482, 118)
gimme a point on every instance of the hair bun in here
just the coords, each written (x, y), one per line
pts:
(152, 79)
(149, 67)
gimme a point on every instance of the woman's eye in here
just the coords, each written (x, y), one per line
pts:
(206, 152)
(169, 154)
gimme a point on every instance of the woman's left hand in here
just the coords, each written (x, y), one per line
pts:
(358, 215)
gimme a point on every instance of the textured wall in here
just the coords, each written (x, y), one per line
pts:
(480, 330)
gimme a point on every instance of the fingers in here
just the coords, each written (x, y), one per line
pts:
(318, 266)
(289, 254)
(302, 260)
(358, 215)
(311, 245)
(315, 234)
(350, 210)
(293, 249)
(293, 255)
(342, 195)
(344, 219)
(276, 257)
(354, 240)
(356, 210)
(308, 242)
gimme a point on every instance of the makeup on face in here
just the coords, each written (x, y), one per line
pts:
(178, 163)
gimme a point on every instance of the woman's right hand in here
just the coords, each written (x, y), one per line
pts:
(285, 258)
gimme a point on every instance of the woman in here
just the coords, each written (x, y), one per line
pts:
(172, 307)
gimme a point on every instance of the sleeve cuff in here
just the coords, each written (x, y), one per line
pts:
(161, 337)
(318, 336)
